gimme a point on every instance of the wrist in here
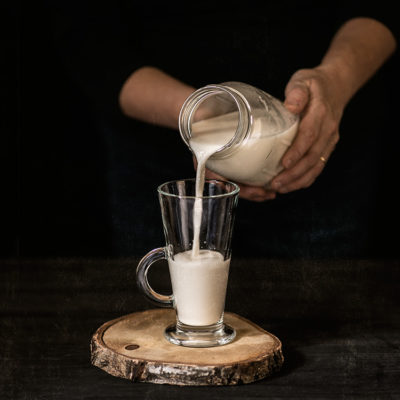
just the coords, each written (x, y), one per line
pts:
(152, 96)
(339, 80)
(356, 52)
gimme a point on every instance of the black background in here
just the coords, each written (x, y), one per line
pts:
(58, 197)
(67, 205)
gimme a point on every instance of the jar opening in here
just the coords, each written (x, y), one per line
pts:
(217, 114)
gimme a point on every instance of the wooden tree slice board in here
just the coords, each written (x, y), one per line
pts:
(133, 347)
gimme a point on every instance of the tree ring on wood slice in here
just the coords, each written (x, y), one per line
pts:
(134, 347)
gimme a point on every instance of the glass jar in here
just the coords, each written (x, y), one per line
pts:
(253, 128)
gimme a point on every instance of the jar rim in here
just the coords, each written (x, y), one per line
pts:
(192, 103)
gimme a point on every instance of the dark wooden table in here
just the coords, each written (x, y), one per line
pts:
(339, 322)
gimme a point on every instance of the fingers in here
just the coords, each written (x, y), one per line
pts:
(304, 173)
(310, 95)
(296, 181)
(316, 137)
(253, 193)
(297, 96)
(308, 133)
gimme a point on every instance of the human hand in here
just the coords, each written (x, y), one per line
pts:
(315, 96)
(253, 193)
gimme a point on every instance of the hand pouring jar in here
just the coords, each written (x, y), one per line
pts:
(254, 129)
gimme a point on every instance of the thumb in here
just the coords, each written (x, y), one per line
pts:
(297, 96)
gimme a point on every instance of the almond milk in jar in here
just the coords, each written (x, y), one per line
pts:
(246, 130)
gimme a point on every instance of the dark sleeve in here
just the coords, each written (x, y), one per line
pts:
(96, 47)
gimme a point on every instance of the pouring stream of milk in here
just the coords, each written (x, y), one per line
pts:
(202, 153)
(199, 277)
(203, 149)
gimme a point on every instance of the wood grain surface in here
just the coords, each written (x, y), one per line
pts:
(133, 347)
(338, 321)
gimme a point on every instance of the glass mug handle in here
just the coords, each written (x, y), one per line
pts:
(142, 281)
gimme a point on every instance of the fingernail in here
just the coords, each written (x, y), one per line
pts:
(292, 107)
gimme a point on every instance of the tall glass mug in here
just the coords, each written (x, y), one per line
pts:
(198, 269)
